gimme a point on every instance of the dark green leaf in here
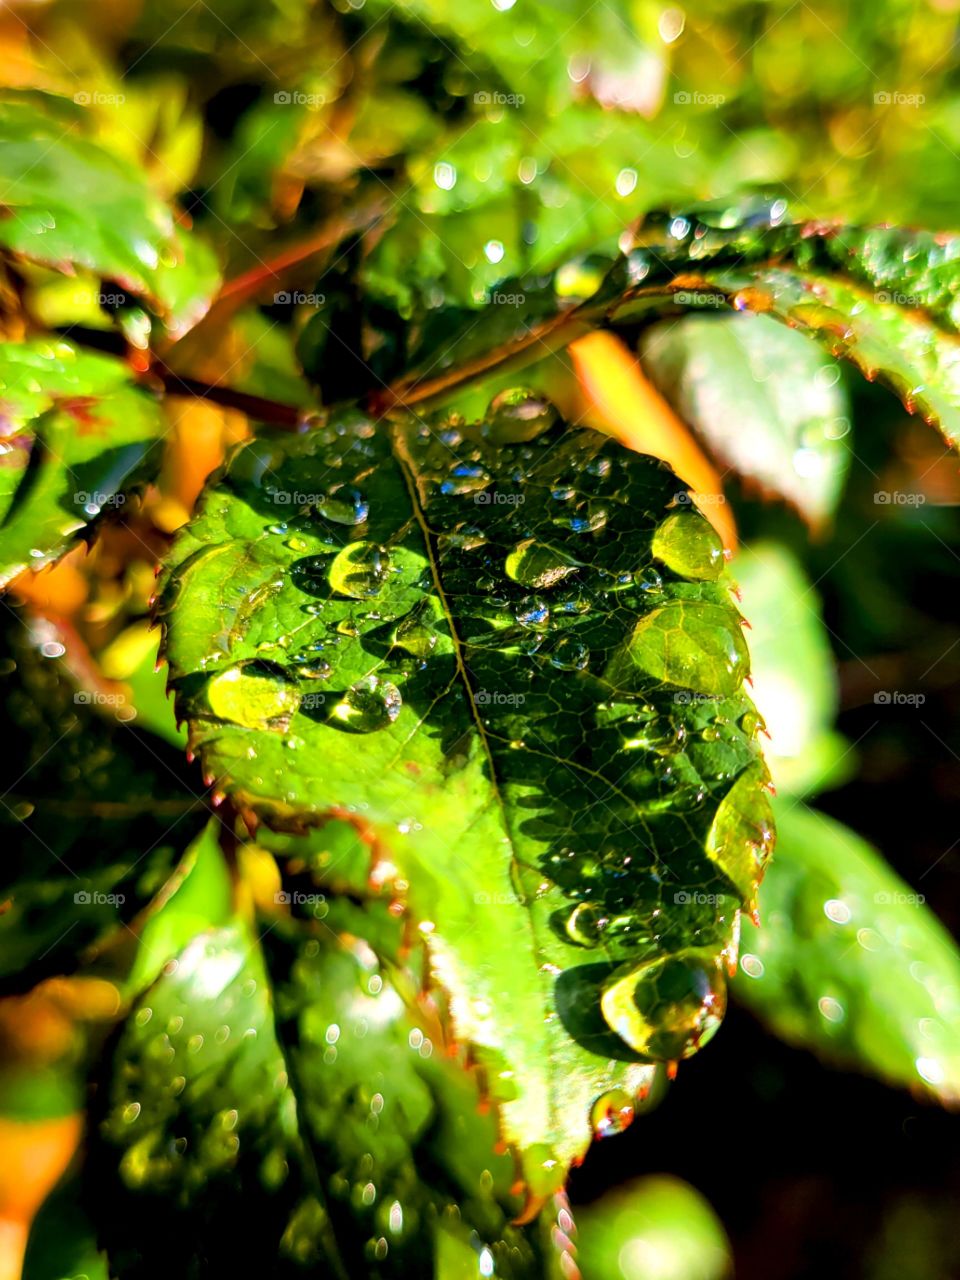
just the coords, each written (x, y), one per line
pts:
(487, 657)
(78, 435)
(93, 816)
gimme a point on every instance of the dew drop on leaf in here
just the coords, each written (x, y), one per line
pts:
(535, 564)
(668, 1008)
(359, 570)
(255, 694)
(343, 504)
(517, 415)
(368, 705)
(690, 546)
(611, 1113)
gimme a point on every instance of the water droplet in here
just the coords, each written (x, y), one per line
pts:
(359, 570)
(368, 705)
(689, 545)
(518, 415)
(667, 1008)
(532, 612)
(343, 504)
(465, 477)
(255, 694)
(569, 654)
(696, 646)
(536, 564)
(611, 1114)
(584, 924)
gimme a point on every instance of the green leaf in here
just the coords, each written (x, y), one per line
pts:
(78, 434)
(306, 1094)
(850, 962)
(467, 650)
(69, 203)
(883, 299)
(768, 404)
(93, 817)
(793, 671)
(653, 1226)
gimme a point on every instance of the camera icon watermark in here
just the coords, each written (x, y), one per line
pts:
(893, 98)
(95, 898)
(688, 98)
(897, 498)
(297, 298)
(297, 98)
(897, 898)
(294, 898)
(97, 99)
(686, 897)
(498, 499)
(494, 98)
(497, 698)
(894, 698)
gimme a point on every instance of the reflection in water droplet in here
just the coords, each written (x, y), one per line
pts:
(532, 612)
(535, 564)
(584, 924)
(256, 694)
(359, 570)
(689, 545)
(343, 504)
(517, 415)
(611, 1114)
(667, 1008)
(368, 705)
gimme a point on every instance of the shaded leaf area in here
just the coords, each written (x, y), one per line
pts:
(768, 403)
(68, 203)
(62, 1240)
(878, 297)
(77, 435)
(94, 816)
(793, 671)
(274, 1106)
(516, 669)
(851, 963)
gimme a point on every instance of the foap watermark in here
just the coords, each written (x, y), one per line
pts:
(689, 698)
(294, 898)
(897, 898)
(499, 899)
(298, 298)
(699, 298)
(96, 698)
(497, 698)
(498, 499)
(95, 898)
(94, 502)
(693, 498)
(897, 498)
(313, 701)
(293, 497)
(898, 299)
(97, 99)
(894, 698)
(499, 299)
(494, 98)
(894, 98)
(694, 897)
(297, 98)
(693, 98)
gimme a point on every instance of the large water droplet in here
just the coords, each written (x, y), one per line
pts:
(358, 570)
(368, 705)
(254, 693)
(666, 1009)
(694, 645)
(689, 545)
(535, 564)
(517, 415)
(343, 504)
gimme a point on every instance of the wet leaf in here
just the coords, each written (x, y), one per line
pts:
(69, 203)
(768, 403)
(882, 298)
(850, 962)
(77, 436)
(294, 1080)
(472, 653)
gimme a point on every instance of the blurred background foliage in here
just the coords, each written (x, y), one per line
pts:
(366, 176)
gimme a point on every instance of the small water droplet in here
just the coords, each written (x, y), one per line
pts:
(517, 415)
(359, 570)
(255, 694)
(368, 705)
